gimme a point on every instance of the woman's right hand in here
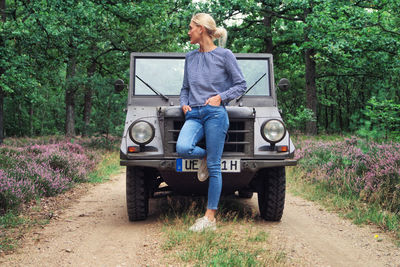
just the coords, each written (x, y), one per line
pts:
(186, 108)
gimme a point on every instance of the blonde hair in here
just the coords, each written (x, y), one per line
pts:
(204, 19)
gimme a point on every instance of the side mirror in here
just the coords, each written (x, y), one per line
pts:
(119, 85)
(284, 84)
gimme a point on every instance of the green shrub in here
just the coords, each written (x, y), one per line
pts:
(299, 120)
(381, 120)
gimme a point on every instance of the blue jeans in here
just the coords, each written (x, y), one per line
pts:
(212, 123)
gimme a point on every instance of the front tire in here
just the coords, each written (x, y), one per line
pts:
(271, 193)
(137, 194)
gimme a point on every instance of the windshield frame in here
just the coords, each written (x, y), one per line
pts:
(239, 56)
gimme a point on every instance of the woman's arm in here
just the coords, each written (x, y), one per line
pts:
(238, 83)
(184, 95)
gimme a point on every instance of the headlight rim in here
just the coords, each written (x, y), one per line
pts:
(270, 141)
(153, 132)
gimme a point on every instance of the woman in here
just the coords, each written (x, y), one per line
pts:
(212, 78)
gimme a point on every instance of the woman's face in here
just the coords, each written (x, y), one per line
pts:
(194, 33)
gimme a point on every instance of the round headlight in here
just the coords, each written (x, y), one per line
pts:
(273, 131)
(141, 132)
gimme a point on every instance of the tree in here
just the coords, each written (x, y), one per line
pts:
(58, 59)
(2, 43)
(310, 73)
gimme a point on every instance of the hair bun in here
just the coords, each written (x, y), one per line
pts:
(221, 34)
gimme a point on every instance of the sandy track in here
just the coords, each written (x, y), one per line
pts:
(95, 231)
(312, 236)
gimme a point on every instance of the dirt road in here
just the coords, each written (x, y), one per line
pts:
(95, 231)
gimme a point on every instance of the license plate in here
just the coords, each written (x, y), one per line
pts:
(192, 165)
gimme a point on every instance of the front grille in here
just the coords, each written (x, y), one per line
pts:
(237, 142)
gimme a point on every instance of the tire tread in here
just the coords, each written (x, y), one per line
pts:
(271, 193)
(137, 195)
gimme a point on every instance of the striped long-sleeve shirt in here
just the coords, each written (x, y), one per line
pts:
(210, 73)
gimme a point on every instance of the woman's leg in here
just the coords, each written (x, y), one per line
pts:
(215, 127)
(216, 123)
(191, 133)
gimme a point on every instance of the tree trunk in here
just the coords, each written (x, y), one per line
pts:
(3, 10)
(326, 111)
(311, 90)
(70, 97)
(87, 109)
(1, 115)
(361, 90)
(267, 21)
(348, 104)
(3, 18)
(332, 113)
(31, 119)
(340, 104)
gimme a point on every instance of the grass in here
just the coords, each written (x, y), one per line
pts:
(238, 241)
(344, 202)
(8, 244)
(11, 220)
(108, 166)
(9, 230)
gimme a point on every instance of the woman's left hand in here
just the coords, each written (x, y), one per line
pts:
(214, 101)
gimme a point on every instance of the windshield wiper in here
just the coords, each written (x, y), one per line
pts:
(152, 89)
(251, 87)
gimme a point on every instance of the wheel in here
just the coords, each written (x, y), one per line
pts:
(137, 194)
(245, 194)
(271, 193)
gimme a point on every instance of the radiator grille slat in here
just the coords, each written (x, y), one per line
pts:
(238, 140)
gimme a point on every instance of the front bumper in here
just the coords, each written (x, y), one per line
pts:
(247, 165)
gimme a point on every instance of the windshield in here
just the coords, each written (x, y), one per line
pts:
(165, 75)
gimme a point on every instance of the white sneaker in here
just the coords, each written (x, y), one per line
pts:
(203, 224)
(202, 172)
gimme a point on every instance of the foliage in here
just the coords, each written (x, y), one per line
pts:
(110, 143)
(31, 171)
(51, 49)
(382, 120)
(355, 44)
(298, 120)
(78, 48)
(109, 165)
(366, 169)
(17, 219)
(358, 178)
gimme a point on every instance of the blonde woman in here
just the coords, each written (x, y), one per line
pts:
(212, 78)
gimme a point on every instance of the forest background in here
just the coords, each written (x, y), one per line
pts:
(60, 58)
